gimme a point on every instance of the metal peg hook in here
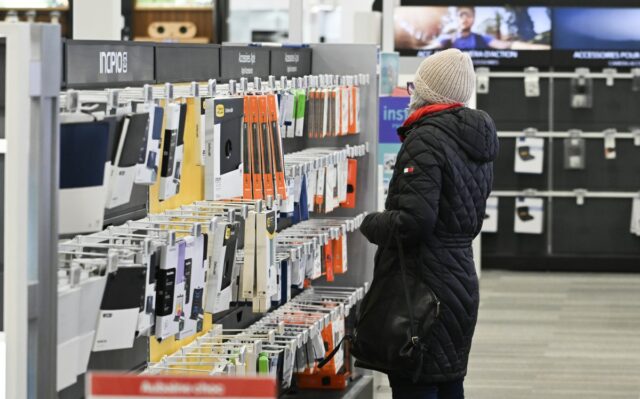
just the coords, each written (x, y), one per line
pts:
(244, 85)
(194, 90)
(233, 90)
(283, 82)
(168, 91)
(257, 84)
(113, 98)
(580, 195)
(211, 85)
(272, 82)
(147, 93)
(72, 101)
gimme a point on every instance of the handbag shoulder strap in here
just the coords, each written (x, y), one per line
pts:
(403, 272)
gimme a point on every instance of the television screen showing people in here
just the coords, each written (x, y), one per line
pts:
(472, 28)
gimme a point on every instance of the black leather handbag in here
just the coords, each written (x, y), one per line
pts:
(392, 326)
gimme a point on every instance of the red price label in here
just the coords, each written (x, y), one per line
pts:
(125, 386)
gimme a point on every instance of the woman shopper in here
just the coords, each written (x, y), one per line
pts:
(416, 323)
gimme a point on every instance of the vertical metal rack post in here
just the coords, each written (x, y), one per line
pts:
(30, 221)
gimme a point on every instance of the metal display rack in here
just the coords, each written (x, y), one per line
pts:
(546, 116)
(33, 94)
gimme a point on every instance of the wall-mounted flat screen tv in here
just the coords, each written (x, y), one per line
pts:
(596, 36)
(512, 36)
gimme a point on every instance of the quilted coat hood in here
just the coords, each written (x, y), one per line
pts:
(473, 130)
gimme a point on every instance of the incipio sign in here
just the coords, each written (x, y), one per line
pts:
(113, 62)
(90, 63)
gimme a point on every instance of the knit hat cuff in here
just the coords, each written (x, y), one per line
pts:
(430, 96)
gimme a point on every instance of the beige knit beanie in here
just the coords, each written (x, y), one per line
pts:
(445, 77)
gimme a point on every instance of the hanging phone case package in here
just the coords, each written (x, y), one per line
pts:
(131, 147)
(121, 303)
(248, 277)
(223, 142)
(68, 330)
(200, 114)
(529, 216)
(276, 145)
(222, 257)
(490, 223)
(85, 166)
(78, 309)
(166, 324)
(146, 317)
(194, 280)
(574, 154)
(149, 160)
(529, 157)
(287, 112)
(266, 143)
(172, 150)
(265, 261)
(300, 106)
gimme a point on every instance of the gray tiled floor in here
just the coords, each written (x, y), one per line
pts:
(552, 336)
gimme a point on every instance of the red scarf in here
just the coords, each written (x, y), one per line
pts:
(424, 111)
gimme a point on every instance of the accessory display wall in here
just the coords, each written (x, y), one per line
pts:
(593, 236)
(339, 59)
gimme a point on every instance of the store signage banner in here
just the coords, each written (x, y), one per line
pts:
(244, 62)
(119, 386)
(290, 62)
(393, 112)
(92, 63)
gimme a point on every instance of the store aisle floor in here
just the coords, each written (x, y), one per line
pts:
(550, 335)
(553, 336)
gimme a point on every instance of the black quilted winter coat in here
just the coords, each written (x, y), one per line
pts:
(436, 201)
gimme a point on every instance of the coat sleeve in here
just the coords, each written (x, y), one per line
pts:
(414, 212)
